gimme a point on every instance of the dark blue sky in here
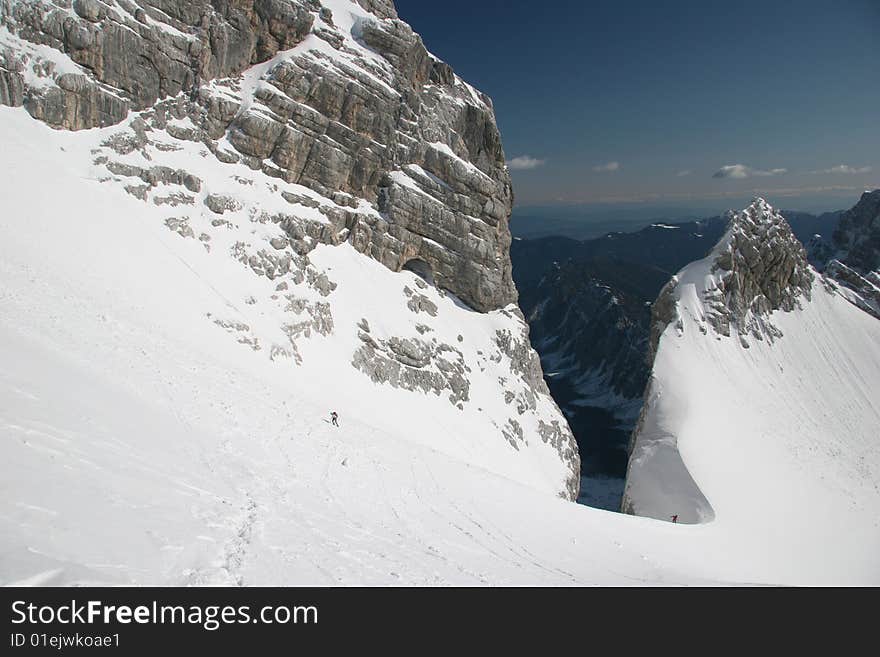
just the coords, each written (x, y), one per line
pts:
(650, 101)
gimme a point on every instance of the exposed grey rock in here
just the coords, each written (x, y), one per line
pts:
(320, 282)
(241, 331)
(523, 359)
(12, 85)
(91, 10)
(180, 226)
(143, 50)
(300, 200)
(220, 203)
(412, 139)
(663, 313)
(154, 176)
(764, 268)
(174, 199)
(525, 363)
(138, 191)
(410, 352)
(318, 320)
(381, 8)
(866, 288)
(559, 436)
(76, 102)
(419, 303)
(414, 365)
(513, 432)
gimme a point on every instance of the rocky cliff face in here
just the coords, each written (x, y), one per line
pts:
(858, 234)
(266, 130)
(341, 98)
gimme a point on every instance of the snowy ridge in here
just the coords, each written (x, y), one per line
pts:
(772, 436)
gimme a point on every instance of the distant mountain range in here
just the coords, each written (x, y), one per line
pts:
(590, 222)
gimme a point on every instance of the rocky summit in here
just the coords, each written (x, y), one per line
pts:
(759, 266)
(404, 158)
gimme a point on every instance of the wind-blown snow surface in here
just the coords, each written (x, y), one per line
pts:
(779, 440)
(141, 443)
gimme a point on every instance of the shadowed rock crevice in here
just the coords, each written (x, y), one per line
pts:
(421, 269)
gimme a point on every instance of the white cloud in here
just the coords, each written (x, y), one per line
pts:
(525, 162)
(740, 171)
(685, 172)
(608, 166)
(846, 169)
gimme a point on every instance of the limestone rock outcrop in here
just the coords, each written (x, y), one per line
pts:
(351, 106)
(761, 267)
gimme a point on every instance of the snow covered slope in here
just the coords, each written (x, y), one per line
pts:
(240, 225)
(162, 356)
(762, 415)
(144, 443)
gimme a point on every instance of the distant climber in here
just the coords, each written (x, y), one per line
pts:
(334, 418)
(674, 518)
